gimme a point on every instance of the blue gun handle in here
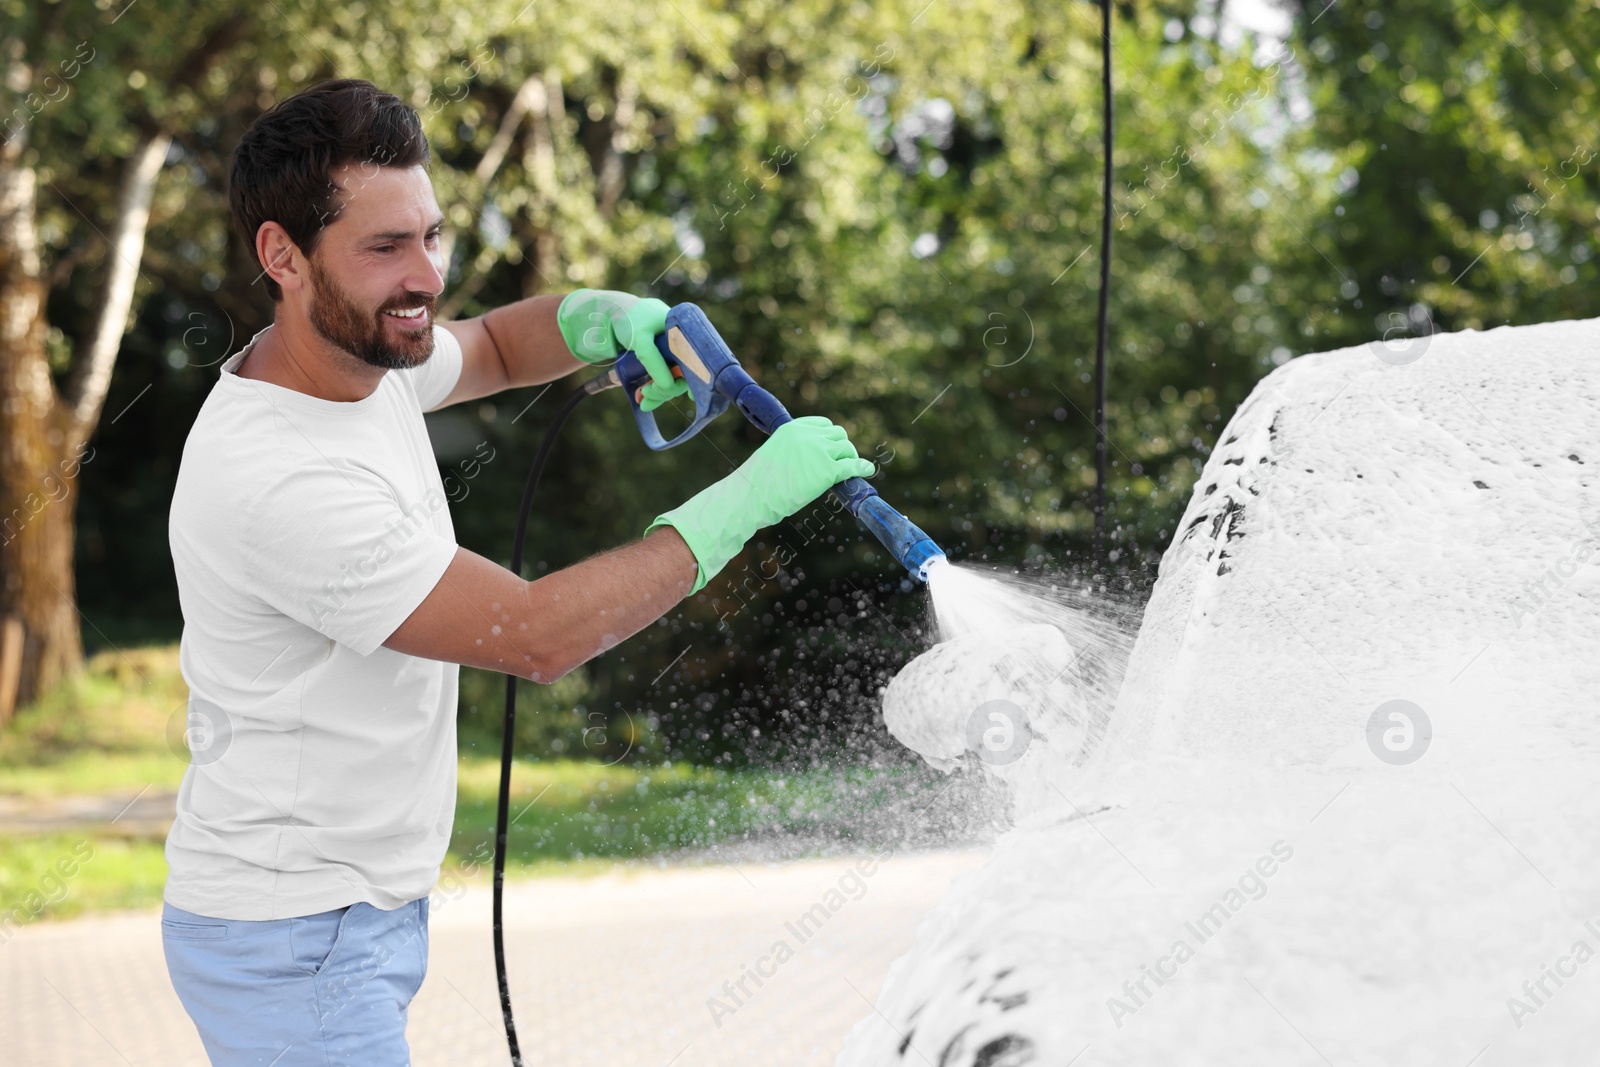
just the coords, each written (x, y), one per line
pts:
(708, 403)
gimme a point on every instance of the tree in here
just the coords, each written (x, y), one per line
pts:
(116, 124)
(1461, 143)
(45, 426)
(890, 209)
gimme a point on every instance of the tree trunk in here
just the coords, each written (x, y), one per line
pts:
(36, 502)
(541, 265)
(91, 370)
(43, 436)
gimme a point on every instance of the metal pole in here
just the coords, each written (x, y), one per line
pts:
(1100, 442)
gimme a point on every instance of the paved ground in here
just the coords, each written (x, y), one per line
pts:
(614, 970)
(147, 814)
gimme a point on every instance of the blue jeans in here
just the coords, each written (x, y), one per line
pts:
(312, 991)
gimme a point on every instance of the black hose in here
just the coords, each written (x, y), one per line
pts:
(503, 805)
(1100, 440)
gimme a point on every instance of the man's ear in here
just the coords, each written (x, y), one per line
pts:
(281, 259)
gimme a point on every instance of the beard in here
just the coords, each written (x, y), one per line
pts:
(342, 322)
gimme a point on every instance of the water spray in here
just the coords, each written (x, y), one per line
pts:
(716, 380)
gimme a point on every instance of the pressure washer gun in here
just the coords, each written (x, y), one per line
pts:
(715, 380)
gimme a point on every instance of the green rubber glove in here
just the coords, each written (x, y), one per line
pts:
(801, 460)
(601, 324)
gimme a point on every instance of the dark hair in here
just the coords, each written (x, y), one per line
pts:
(283, 167)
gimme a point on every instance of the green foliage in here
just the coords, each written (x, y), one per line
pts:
(561, 720)
(891, 212)
(1463, 140)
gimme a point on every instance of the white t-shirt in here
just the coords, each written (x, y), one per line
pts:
(303, 532)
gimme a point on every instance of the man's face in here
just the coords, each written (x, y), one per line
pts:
(376, 274)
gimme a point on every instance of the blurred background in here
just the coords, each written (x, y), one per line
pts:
(889, 209)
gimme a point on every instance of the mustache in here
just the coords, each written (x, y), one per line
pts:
(410, 300)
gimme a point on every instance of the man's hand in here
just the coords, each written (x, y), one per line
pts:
(600, 324)
(800, 461)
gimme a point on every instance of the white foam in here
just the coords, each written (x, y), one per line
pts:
(1043, 658)
(1339, 552)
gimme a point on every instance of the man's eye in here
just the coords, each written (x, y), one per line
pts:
(384, 248)
(434, 236)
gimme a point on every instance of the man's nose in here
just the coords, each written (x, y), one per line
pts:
(426, 273)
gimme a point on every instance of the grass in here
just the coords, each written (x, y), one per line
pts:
(128, 703)
(84, 773)
(117, 729)
(570, 812)
(571, 818)
(57, 876)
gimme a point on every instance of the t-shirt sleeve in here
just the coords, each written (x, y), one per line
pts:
(435, 378)
(334, 549)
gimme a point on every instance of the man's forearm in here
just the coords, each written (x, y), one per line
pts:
(591, 606)
(529, 341)
(482, 615)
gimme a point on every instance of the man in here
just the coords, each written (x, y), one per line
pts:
(327, 606)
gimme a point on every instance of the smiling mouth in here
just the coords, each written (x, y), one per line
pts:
(411, 314)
